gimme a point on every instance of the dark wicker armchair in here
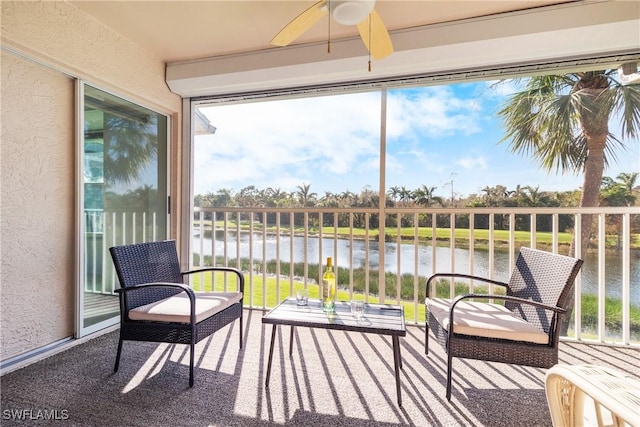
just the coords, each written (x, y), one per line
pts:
(156, 305)
(523, 331)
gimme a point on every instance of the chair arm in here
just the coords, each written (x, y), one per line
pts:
(459, 298)
(143, 286)
(223, 269)
(554, 308)
(463, 276)
(140, 286)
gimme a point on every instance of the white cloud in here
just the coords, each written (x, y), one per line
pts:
(472, 162)
(431, 112)
(261, 142)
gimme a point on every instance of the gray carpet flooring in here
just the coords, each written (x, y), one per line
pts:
(333, 379)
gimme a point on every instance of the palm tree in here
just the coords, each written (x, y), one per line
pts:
(424, 196)
(628, 181)
(563, 121)
(248, 196)
(329, 200)
(620, 192)
(346, 199)
(273, 196)
(518, 194)
(393, 192)
(129, 146)
(495, 196)
(305, 196)
(533, 197)
(405, 195)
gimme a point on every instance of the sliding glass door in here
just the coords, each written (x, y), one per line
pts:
(123, 173)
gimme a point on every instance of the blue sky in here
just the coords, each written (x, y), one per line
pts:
(435, 136)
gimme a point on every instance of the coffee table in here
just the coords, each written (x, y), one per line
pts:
(378, 319)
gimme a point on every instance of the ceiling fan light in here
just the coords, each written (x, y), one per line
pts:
(351, 12)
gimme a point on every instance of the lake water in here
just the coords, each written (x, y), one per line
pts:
(613, 263)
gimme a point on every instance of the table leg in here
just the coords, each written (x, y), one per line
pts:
(273, 339)
(291, 341)
(397, 365)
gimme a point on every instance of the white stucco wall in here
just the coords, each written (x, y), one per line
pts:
(60, 34)
(37, 188)
(37, 206)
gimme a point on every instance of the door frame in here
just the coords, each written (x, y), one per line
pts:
(81, 247)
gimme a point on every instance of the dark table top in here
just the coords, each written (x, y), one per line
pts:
(378, 318)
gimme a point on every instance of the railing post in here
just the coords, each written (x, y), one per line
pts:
(335, 244)
(278, 260)
(250, 217)
(555, 219)
(452, 252)
(306, 255)
(577, 305)
(492, 247)
(398, 256)
(292, 273)
(601, 277)
(320, 254)
(366, 256)
(512, 241)
(533, 225)
(264, 260)
(351, 254)
(472, 252)
(382, 292)
(626, 279)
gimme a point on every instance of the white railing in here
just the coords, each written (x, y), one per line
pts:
(413, 248)
(106, 229)
(609, 277)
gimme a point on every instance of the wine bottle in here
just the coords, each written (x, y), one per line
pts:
(329, 288)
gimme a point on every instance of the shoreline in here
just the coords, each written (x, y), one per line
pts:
(462, 242)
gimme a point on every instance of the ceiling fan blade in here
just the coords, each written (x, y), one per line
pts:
(381, 45)
(300, 24)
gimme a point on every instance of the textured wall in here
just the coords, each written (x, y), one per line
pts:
(37, 206)
(37, 190)
(60, 34)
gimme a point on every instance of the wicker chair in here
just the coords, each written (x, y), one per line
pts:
(590, 395)
(156, 305)
(523, 331)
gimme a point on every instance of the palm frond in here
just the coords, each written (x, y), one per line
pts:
(627, 106)
(614, 145)
(556, 117)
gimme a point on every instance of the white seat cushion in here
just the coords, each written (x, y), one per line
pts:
(177, 308)
(485, 320)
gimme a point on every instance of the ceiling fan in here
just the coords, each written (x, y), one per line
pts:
(372, 30)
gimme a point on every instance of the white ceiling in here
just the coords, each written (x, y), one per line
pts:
(219, 48)
(185, 30)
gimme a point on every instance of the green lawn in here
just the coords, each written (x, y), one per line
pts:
(284, 287)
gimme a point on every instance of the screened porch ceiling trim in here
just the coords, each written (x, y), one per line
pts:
(607, 62)
(556, 37)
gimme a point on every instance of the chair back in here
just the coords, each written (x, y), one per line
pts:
(543, 277)
(147, 263)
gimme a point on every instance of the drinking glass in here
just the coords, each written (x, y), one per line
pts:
(357, 309)
(302, 297)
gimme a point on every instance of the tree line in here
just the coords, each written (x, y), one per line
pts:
(621, 191)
